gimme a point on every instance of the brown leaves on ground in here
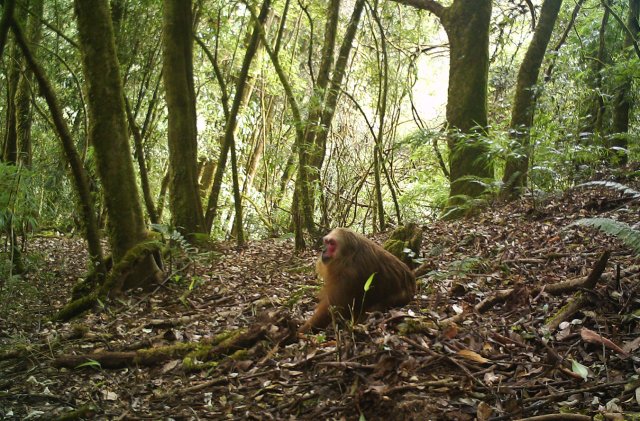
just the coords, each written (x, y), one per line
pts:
(493, 360)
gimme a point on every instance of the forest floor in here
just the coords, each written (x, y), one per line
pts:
(491, 361)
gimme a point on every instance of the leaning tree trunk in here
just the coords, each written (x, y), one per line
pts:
(517, 166)
(78, 172)
(239, 101)
(108, 134)
(184, 198)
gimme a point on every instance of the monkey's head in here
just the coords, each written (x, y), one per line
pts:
(339, 242)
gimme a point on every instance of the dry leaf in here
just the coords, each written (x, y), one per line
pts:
(472, 356)
(594, 338)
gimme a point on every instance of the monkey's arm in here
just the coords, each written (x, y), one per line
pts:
(320, 319)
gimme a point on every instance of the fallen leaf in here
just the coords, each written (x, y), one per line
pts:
(592, 337)
(472, 356)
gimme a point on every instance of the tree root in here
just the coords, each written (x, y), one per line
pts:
(113, 281)
(276, 327)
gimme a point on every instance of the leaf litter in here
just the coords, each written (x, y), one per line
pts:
(473, 344)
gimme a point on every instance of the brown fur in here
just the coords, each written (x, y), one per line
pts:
(345, 274)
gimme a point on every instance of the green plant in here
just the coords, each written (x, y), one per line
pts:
(627, 234)
(612, 185)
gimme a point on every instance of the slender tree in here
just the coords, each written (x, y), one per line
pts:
(78, 172)
(517, 166)
(240, 98)
(10, 149)
(23, 94)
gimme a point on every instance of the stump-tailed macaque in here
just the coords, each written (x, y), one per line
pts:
(347, 262)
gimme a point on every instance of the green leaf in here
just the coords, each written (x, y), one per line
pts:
(367, 284)
(90, 363)
(620, 230)
(579, 369)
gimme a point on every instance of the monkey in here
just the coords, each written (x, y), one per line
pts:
(347, 262)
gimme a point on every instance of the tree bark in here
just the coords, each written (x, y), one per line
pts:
(10, 149)
(79, 174)
(108, 135)
(622, 106)
(467, 25)
(184, 200)
(24, 115)
(517, 165)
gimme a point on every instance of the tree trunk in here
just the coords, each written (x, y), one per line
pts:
(231, 124)
(319, 146)
(5, 22)
(595, 106)
(619, 143)
(142, 164)
(467, 25)
(78, 171)
(24, 115)
(184, 201)
(10, 150)
(517, 165)
(108, 135)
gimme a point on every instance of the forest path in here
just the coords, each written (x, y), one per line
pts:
(398, 365)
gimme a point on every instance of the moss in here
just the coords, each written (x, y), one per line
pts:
(114, 280)
(406, 237)
(239, 355)
(161, 353)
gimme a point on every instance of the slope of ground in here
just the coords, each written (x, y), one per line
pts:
(493, 360)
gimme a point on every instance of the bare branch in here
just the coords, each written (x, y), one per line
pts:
(428, 5)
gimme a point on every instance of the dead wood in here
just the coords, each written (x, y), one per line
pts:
(580, 299)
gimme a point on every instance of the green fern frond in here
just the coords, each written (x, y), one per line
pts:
(620, 230)
(625, 190)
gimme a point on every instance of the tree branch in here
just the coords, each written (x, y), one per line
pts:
(428, 5)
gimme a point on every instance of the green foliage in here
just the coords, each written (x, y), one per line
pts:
(367, 285)
(174, 238)
(628, 235)
(621, 188)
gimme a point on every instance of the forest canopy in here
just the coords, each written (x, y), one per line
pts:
(254, 119)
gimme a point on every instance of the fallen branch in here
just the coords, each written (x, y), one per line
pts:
(580, 299)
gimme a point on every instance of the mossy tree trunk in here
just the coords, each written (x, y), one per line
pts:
(14, 63)
(184, 198)
(622, 106)
(24, 113)
(467, 25)
(78, 172)
(108, 135)
(517, 166)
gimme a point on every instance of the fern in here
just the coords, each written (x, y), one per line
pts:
(620, 230)
(627, 191)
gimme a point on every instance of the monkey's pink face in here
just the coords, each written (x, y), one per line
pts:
(329, 249)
